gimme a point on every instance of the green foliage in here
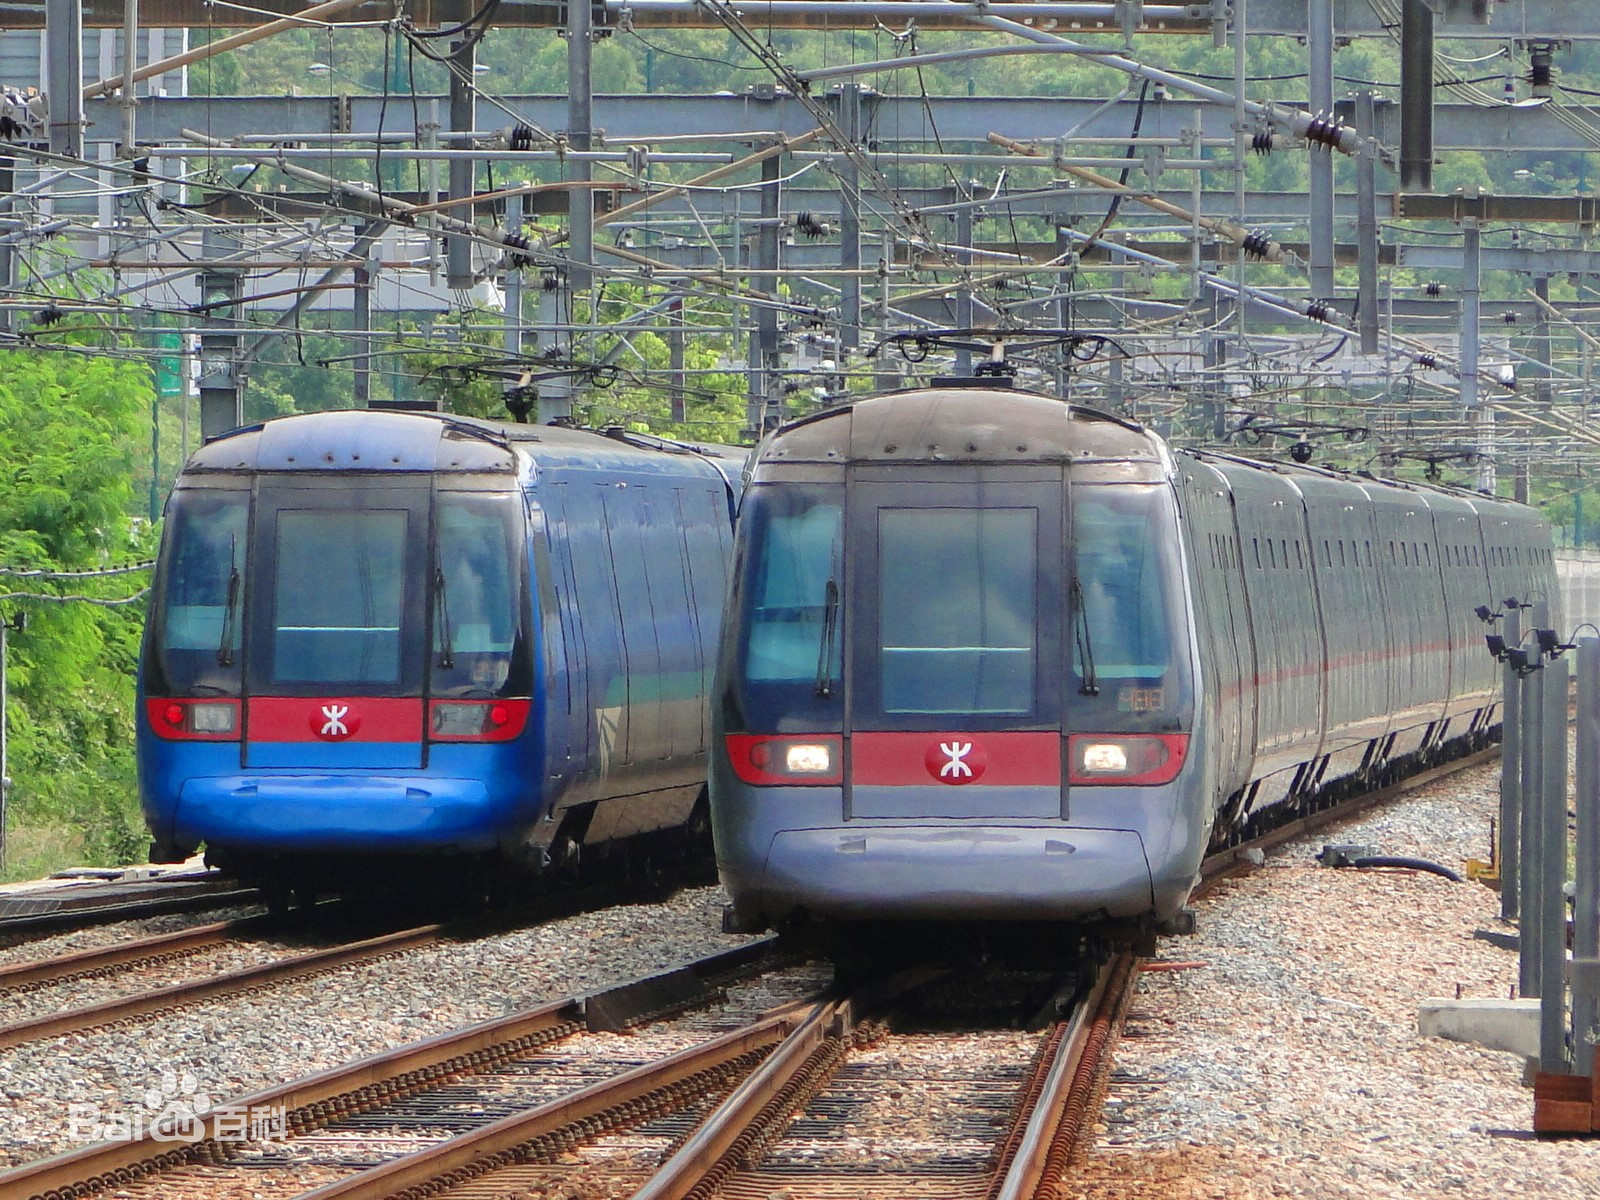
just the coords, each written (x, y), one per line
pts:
(70, 426)
(461, 363)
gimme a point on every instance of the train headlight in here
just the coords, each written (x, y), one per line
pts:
(1105, 758)
(1125, 758)
(785, 761)
(808, 759)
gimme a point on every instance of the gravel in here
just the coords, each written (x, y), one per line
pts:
(1288, 1063)
(241, 1044)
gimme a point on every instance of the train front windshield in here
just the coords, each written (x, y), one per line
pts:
(337, 592)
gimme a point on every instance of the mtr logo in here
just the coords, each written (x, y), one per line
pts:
(956, 761)
(334, 722)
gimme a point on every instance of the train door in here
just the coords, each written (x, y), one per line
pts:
(338, 622)
(555, 646)
(955, 653)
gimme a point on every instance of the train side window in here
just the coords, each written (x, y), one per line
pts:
(476, 625)
(1343, 561)
(196, 614)
(1299, 555)
(1256, 545)
(1394, 555)
(1368, 545)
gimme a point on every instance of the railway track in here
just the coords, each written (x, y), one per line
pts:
(866, 1095)
(445, 1093)
(163, 949)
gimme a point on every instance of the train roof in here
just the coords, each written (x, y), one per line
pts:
(962, 424)
(1430, 493)
(384, 440)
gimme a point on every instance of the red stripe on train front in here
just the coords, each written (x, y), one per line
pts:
(956, 759)
(334, 719)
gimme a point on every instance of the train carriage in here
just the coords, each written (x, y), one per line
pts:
(993, 658)
(377, 634)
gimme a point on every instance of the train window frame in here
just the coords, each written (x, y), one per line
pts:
(342, 495)
(1011, 668)
(759, 702)
(501, 667)
(204, 665)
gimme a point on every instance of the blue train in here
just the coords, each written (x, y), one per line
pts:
(994, 658)
(376, 633)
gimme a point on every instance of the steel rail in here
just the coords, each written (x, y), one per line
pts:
(1061, 1111)
(382, 1078)
(654, 1087)
(87, 964)
(315, 962)
(766, 1098)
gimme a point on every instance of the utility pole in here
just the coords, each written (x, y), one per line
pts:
(850, 223)
(1366, 224)
(63, 31)
(516, 396)
(1416, 96)
(463, 119)
(221, 379)
(365, 276)
(580, 137)
(1319, 47)
(766, 401)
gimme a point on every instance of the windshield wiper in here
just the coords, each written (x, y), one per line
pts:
(1081, 640)
(229, 614)
(830, 623)
(447, 658)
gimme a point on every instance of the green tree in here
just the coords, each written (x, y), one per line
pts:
(70, 426)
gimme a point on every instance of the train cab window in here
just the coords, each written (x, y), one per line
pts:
(956, 610)
(338, 595)
(1128, 670)
(787, 612)
(477, 595)
(195, 639)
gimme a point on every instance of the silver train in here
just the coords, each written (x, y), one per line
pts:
(990, 657)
